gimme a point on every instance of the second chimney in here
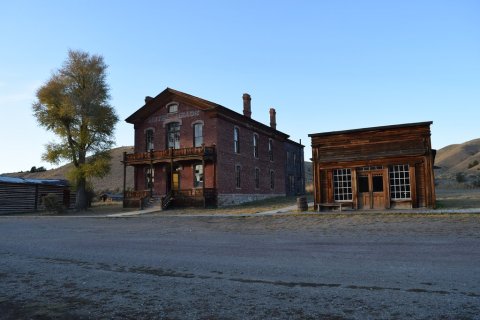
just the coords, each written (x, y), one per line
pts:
(273, 118)
(247, 108)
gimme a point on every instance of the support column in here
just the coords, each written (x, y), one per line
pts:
(204, 181)
(124, 176)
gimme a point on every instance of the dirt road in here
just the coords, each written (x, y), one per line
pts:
(275, 267)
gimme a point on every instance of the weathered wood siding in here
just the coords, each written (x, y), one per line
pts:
(382, 147)
(24, 198)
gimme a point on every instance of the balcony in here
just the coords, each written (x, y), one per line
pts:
(170, 154)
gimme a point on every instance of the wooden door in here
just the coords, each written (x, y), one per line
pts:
(371, 193)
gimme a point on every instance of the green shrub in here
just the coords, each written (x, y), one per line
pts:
(53, 203)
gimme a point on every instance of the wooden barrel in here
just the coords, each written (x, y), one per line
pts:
(302, 204)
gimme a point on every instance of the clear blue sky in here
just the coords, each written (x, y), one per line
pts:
(324, 65)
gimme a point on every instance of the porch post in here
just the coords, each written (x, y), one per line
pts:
(171, 169)
(204, 181)
(124, 176)
(150, 182)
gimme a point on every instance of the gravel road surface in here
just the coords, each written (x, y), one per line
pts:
(260, 267)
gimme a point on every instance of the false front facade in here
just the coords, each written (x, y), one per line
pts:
(193, 152)
(374, 168)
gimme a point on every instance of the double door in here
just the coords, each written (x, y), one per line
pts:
(371, 190)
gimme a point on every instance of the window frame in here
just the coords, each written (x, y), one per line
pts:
(195, 137)
(236, 140)
(149, 139)
(400, 182)
(255, 145)
(238, 174)
(171, 106)
(272, 179)
(176, 135)
(257, 178)
(198, 183)
(270, 149)
(342, 185)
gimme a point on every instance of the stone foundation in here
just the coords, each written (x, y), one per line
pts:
(224, 200)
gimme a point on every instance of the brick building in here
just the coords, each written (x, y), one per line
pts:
(190, 151)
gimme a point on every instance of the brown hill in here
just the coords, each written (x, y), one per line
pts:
(113, 182)
(455, 158)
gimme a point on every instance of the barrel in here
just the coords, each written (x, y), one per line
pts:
(302, 204)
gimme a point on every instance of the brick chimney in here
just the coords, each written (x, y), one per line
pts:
(273, 118)
(148, 98)
(247, 108)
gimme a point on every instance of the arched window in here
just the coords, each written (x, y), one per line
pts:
(255, 145)
(236, 140)
(270, 149)
(148, 140)
(172, 108)
(173, 135)
(197, 134)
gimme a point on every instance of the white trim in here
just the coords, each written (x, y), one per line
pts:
(167, 106)
(196, 122)
(171, 121)
(149, 128)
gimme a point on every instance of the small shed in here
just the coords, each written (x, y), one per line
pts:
(374, 168)
(19, 195)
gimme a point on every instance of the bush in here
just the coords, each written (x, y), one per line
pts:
(460, 177)
(53, 203)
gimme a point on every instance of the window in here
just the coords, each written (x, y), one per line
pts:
(198, 176)
(237, 176)
(148, 140)
(257, 178)
(197, 135)
(291, 184)
(149, 178)
(173, 135)
(172, 108)
(400, 182)
(272, 179)
(294, 160)
(270, 149)
(289, 159)
(236, 140)
(342, 185)
(255, 145)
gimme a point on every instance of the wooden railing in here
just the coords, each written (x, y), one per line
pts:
(137, 194)
(169, 154)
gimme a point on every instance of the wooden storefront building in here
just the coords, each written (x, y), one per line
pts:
(374, 168)
(193, 152)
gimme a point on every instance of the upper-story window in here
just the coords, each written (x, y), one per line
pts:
(270, 149)
(148, 139)
(173, 135)
(236, 140)
(255, 145)
(197, 134)
(295, 160)
(172, 108)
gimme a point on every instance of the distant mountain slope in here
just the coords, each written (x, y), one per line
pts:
(113, 182)
(457, 158)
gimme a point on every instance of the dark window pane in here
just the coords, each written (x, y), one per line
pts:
(377, 183)
(363, 184)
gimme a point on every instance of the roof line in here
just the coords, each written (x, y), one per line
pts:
(413, 124)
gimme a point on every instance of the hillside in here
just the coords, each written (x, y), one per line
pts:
(457, 158)
(113, 182)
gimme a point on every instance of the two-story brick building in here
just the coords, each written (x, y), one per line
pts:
(190, 151)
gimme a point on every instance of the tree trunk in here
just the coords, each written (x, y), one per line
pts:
(81, 201)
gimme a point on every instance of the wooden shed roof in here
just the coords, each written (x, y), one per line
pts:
(52, 182)
(380, 128)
